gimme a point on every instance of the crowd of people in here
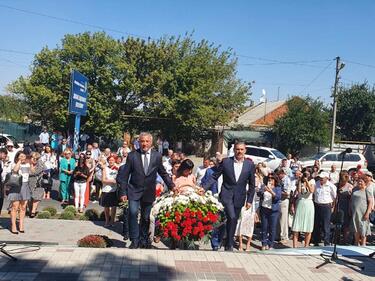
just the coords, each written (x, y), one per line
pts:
(290, 202)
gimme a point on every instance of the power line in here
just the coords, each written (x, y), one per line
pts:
(316, 77)
(71, 21)
(16, 52)
(279, 63)
(358, 63)
(14, 62)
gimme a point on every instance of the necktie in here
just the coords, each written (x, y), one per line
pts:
(145, 163)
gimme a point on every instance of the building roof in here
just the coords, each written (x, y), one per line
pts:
(255, 114)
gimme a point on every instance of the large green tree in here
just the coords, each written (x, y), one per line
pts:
(177, 86)
(305, 123)
(12, 108)
(356, 112)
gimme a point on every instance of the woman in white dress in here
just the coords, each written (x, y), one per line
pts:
(245, 225)
(303, 220)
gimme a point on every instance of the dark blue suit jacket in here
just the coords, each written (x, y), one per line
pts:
(138, 185)
(232, 191)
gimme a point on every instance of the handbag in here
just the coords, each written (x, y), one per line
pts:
(372, 217)
(372, 214)
(12, 183)
(46, 180)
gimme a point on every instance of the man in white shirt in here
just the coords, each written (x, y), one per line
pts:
(165, 147)
(334, 175)
(11, 151)
(238, 173)
(167, 161)
(283, 229)
(324, 199)
(95, 152)
(201, 170)
(44, 137)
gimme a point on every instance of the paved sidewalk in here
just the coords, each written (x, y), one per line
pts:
(69, 263)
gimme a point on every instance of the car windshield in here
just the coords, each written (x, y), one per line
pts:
(13, 139)
(278, 154)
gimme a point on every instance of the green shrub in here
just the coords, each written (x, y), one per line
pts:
(71, 209)
(51, 210)
(66, 215)
(44, 215)
(92, 214)
(83, 218)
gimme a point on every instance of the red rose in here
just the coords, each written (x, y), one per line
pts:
(167, 214)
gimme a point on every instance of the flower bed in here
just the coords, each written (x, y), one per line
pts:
(187, 216)
(95, 241)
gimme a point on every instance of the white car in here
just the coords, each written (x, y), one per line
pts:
(4, 138)
(327, 159)
(260, 154)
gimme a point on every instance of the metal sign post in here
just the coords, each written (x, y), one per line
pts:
(78, 102)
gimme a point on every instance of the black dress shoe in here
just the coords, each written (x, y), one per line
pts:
(134, 245)
(229, 249)
(215, 249)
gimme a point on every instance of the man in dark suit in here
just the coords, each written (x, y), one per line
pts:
(237, 173)
(138, 186)
(61, 147)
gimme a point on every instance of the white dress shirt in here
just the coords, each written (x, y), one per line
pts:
(324, 194)
(237, 168)
(287, 184)
(199, 174)
(334, 177)
(44, 137)
(148, 155)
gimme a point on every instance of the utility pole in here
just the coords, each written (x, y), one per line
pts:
(278, 93)
(339, 66)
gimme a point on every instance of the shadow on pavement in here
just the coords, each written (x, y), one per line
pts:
(100, 266)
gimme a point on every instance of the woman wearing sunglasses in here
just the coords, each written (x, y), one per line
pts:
(270, 196)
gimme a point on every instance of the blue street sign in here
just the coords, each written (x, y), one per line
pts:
(78, 94)
(78, 102)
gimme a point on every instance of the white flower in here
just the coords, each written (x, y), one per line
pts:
(208, 193)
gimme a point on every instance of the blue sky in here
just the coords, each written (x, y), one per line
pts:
(262, 33)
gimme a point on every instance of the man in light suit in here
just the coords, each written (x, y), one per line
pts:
(237, 173)
(138, 185)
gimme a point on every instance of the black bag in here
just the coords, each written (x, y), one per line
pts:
(12, 183)
(46, 180)
(372, 217)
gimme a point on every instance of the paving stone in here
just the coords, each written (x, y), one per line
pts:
(57, 276)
